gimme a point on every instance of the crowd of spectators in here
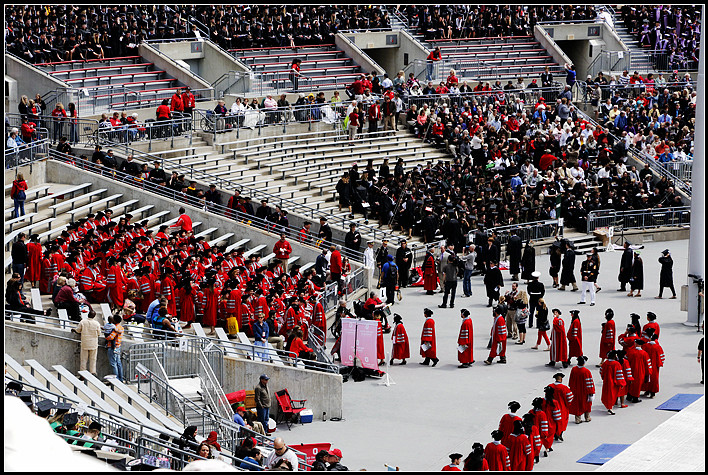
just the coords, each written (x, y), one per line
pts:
(673, 31)
(515, 156)
(470, 21)
(50, 33)
(654, 116)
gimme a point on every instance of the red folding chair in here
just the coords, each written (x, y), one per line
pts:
(289, 408)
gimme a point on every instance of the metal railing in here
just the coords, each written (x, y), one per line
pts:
(533, 231)
(150, 131)
(640, 219)
(231, 82)
(211, 387)
(681, 170)
(26, 154)
(642, 61)
(180, 357)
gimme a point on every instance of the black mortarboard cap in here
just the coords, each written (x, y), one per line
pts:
(63, 407)
(71, 419)
(45, 406)
(26, 397)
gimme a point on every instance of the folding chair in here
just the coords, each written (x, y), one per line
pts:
(288, 407)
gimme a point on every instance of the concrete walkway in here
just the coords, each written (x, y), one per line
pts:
(432, 412)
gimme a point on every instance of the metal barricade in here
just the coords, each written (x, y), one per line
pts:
(179, 358)
(640, 219)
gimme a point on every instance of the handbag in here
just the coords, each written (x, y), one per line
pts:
(232, 325)
(546, 326)
(399, 295)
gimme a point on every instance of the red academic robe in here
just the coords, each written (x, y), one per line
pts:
(401, 348)
(559, 344)
(498, 338)
(520, 453)
(564, 397)
(428, 336)
(45, 278)
(575, 339)
(641, 370)
(583, 386)
(319, 320)
(506, 425)
(186, 304)
(607, 340)
(148, 292)
(656, 357)
(430, 275)
(612, 381)
(34, 262)
(497, 457)
(628, 377)
(465, 339)
(380, 351)
(211, 307)
(535, 439)
(116, 285)
(167, 289)
(543, 426)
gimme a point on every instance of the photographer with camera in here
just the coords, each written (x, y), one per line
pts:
(468, 260)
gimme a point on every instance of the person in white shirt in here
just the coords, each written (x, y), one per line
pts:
(370, 262)
(11, 142)
(577, 173)
(526, 169)
(280, 452)
(604, 173)
(387, 83)
(533, 178)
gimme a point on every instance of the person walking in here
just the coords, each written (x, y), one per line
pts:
(90, 330)
(568, 272)
(556, 258)
(465, 353)
(656, 358)
(528, 263)
(428, 348)
(263, 400)
(588, 274)
(513, 253)
(607, 340)
(521, 317)
(496, 455)
(666, 276)
(575, 336)
(542, 424)
(542, 324)
(564, 397)
(450, 275)
(404, 259)
(499, 335)
(430, 276)
(625, 272)
(493, 281)
(536, 290)
(18, 195)
(468, 257)
(612, 381)
(583, 388)
(559, 342)
(596, 260)
(282, 250)
(641, 369)
(637, 279)
(401, 348)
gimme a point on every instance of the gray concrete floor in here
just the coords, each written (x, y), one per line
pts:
(432, 412)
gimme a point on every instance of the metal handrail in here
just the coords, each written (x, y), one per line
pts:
(640, 219)
(26, 154)
(212, 389)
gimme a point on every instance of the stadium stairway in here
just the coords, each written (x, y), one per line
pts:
(115, 83)
(323, 67)
(639, 60)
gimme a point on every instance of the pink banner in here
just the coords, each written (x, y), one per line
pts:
(365, 332)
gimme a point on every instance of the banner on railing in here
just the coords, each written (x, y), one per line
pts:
(359, 341)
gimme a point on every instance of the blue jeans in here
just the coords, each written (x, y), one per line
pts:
(467, 283)
(73, 133)
(429, 71)
(264, 416)
(19, 207)
(20, 269)
(115, 362)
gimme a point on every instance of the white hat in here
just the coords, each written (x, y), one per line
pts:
(135, 114)
(536, 274)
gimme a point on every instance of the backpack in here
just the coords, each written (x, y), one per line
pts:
(153, 318)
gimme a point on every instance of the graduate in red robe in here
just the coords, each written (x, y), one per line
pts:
(430, 275)
(520, 449)
(319, 319)
(116, 283)
(401, 348)
(612, 381)
(583, 388)
(168, 290)
(464, 339)
(427, 337)
(559, 343)
(564, 398)
(575, 336)
(532, 433)
(380, 351)
(651, 317)
(553, 412)
(34, 260)
(607, 340)
(211, 305)
(45, 277)
(496, 454)
(499, 334)
(542, 423)
(656, 357)
(186, 294)
(506, 424)
(641, 369)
